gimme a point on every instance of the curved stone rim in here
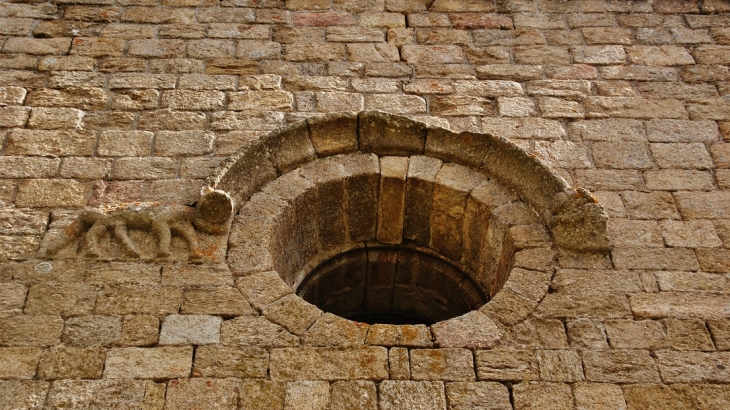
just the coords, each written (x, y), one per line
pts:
(258, 249)
(576, 221)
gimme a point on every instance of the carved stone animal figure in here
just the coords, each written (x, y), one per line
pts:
(213, 211)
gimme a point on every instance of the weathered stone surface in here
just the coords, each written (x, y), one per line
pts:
(391, 199)
(255, 331)
(72, 363)
(477, 396)
(532, 395)
(23, 394)
(399, 363)
(472, 330)
(202, 392)
(645, 334)
(678, 305)
(608, 305)
(86, 331)
(261, 395)
(119, 394)
(353, 395)
(332, 134)
(135, 300)
(61, 299)
(401, 395)
(668, 397)
(401, 335)
(507, 365)
(224, 361)
(560, 366)
(19, 362)
(293, 313)
(262, 288)
(307, 394)
(190, 329)
(693, 367)
(148, 363)
(332, 330)
(388, 135)
(598, 396)
(312, 363)
(140, 330)
(30, 330)
(620, 366)
(442, 364)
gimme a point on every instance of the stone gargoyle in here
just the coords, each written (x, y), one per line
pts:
(214, 209)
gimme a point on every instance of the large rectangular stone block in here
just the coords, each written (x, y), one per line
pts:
(311, 363)
(167, 362)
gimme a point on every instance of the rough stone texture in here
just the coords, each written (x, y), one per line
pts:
(112, 103)
(312, 363)
(19, 362)
(442, 364)
(353, 394)
(222, 361)
(151, 363)
(401, 395)
(190, 329)
(202, 392)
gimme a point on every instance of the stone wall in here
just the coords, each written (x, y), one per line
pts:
(113, 106)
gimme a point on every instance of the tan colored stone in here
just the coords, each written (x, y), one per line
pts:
(603, 107)
(353, 394)
(223, 361)
(696, 233)
(402, 395)
(472, 330)
(307, 394)
(190, 329)
(332, 330)
(442, 364)
(477, 396)
(507, 365)
(120, 394)
(255, 331)
(152, 363)
(136, 300)
(72, 363)
(312, 363)
(584, 333)
(422, 173)
(628, 334)
(620, 366)
(62, 299)
(693, 367)
(399, 335)
(261, 395)
(391, 199)
(19, 362)
(12, 298)
(87, 331)
(667, 397)
(654, 258)
(399, 363)
(140, 330)
(678, 305)
(293, 313)
(31, 330)
(598, 396)
(560, 366)
(202, 392)
(548, 396)
(688, 334)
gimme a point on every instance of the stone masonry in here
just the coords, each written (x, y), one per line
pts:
(571, 155)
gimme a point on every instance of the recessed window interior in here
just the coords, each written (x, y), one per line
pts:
(392, 240)
(391, 285)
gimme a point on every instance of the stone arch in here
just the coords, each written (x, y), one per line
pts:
(575, 219)
(265, 179)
